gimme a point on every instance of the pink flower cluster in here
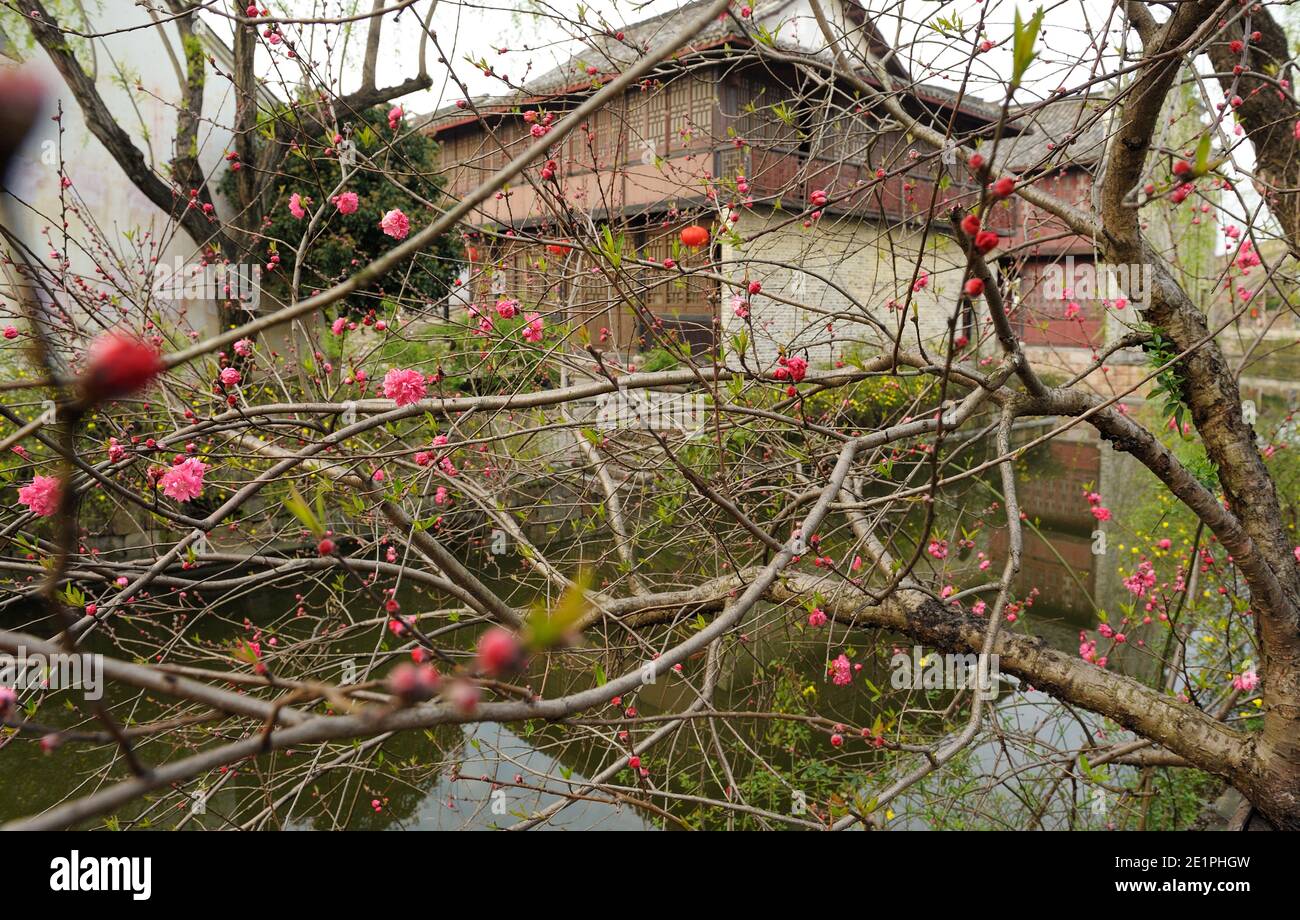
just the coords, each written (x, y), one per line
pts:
(41, 495)
(395, 224)
(1246, 681)
(346, 202)
(1095, 506)
(404, 386)
(1088, 650)
(1141, 581)
(184, 481)
(841, 671)
(532, 330)
(792, 368)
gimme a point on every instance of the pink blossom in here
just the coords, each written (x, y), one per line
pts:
(404, 386)
(395, 224)
(1141, 581)
(346, 202)
(1247, 680)
(230, 377)
(797, 367)
(41, 495)
(507, 308)
(1247, 258)
(184, 481)
(440, 496)
(841, 671)
(339, 326)
(532, 330)
(938, 549)
(115, 450)
(395, 117)
(817, 617)
(295, 206)
(244, 347)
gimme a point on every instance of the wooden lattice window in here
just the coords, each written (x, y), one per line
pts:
(647, 130)
(691, 100)
(691, 295)
(600, 146)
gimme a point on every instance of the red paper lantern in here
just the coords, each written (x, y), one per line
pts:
(694, 236)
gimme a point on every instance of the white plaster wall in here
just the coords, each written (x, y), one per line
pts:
(839, 271)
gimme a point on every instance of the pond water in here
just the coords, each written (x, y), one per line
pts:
(492, 776)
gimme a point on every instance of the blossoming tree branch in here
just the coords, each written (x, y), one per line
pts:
(633, 417)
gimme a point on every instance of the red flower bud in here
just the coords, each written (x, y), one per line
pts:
(119, 364)
(414, 683)
(499, 651)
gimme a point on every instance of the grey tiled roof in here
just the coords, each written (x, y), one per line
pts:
(1075, 129)
(610, 54)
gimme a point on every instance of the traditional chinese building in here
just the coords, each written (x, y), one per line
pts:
(736, 140)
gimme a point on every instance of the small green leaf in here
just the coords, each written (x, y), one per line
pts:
(1022, 47)
(549, 628)
(298, 506)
